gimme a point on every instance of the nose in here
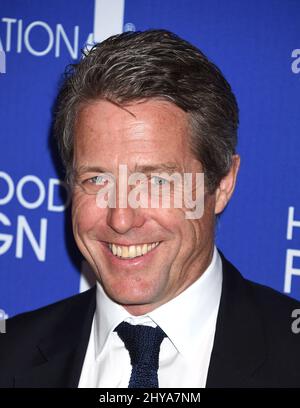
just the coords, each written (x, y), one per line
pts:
(122, 220)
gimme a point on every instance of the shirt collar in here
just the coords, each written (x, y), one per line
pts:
(177, 318)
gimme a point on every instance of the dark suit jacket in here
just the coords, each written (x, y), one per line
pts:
(254, 345)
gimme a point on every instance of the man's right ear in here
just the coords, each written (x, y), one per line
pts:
(227, 185)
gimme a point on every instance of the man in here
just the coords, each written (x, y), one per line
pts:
(168, 309)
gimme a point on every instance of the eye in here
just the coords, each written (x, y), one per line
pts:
(98, 180)
(159, 181)
(95, 184)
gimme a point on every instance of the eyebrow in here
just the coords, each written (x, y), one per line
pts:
(167, 167)
(153, 168)
(90, 169)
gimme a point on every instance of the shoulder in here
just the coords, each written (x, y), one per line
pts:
(36, 324)
(278, 313)
(275, 311)
(254, 344)
(271, 300)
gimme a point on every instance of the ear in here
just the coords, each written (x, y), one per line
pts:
(227, 184)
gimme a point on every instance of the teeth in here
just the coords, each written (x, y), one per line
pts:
(125, 253)
(132, 251)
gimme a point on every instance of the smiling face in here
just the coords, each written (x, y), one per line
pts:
(143, 257)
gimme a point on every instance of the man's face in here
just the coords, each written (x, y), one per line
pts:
(143, 136)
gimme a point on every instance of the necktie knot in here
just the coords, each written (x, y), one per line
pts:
(143, 344)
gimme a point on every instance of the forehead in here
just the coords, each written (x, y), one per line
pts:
(144, 131)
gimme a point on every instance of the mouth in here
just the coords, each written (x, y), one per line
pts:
(131, 251)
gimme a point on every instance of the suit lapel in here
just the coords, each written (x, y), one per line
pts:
(61, 354)
(239, 345)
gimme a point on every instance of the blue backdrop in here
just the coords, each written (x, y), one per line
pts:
(256, 43)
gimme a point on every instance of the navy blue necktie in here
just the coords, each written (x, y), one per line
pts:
(143, 344)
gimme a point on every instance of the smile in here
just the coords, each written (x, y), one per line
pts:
(132, 251)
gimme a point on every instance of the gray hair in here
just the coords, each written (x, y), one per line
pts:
(154, 64)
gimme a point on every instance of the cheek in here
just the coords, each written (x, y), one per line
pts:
(193, 241)
(204, 228)
(85, 214)
(188, 240)
(180, 231)
(191, 234)
(171, 221)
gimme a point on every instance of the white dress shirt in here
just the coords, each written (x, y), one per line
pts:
(189, 321)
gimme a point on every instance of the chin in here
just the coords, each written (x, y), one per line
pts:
(131, 294)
